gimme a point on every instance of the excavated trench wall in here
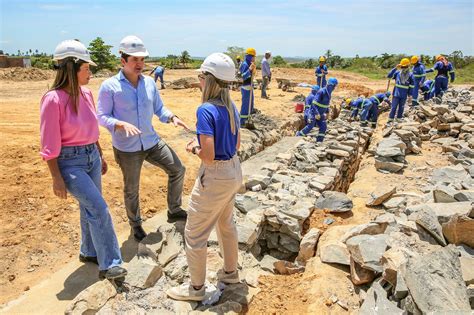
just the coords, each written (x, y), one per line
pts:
(283, 182)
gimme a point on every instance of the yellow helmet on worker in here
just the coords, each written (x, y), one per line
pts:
(414, 60)
(322, 59)
(439, 57)
(251, 52)
(405, 62)
(348, 100)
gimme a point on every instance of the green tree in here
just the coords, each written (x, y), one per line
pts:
(279, 61)
(101, 55)
(235, 51)
(185, 57)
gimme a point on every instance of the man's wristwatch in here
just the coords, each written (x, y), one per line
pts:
(171, 118)
(193, 150)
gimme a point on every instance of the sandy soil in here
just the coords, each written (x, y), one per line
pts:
(40, 232)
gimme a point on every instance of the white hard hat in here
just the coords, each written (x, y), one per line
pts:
(133, 46)
(268, 52)
(219, 65)
(72, 48)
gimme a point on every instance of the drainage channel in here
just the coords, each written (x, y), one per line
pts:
(283, 182)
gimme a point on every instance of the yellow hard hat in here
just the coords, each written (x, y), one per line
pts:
(251, 51)
(414, 60)
(322, 59)
(348, 100)
(405, 62)
(238, 57)
(439, 57)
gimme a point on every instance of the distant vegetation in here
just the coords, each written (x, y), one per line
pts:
(374, 67)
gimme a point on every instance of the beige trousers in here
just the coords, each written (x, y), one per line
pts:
(212, 204)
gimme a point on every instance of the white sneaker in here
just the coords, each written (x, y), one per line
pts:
(186, 292)
(229, 278)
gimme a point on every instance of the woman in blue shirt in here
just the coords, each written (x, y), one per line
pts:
(219, 179)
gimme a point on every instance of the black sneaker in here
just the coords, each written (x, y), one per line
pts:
(138, 233)
(86, 259)
(180, 215)
(112, 273)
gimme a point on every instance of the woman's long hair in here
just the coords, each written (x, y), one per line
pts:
(66, 79)
(215, 89)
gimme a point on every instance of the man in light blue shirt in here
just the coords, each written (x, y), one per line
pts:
(159, 72)
(266, 73)
(127, 103)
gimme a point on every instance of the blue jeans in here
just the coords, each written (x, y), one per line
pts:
(160, 76)
(81, 168)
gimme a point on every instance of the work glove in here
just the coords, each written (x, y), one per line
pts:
(318, 117)
(309, 120)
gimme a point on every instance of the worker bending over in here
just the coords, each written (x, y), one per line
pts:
(319, 110)
(428, 89)
(443, 66)
(370, 112)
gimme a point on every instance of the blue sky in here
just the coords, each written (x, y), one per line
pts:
(287, 28)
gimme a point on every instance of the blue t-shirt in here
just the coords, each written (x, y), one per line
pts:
(213, 120)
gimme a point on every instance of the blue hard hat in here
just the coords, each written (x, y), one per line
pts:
(315, 88)
(388, 93)
(332, 81)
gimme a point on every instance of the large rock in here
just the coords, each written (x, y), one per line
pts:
(444, 211)
(388, 164)
(393, 260)
(450, 175)
(444, 194)
(428, 220)
(459, 230)
(330, 247)
(143, 272)
(92, 299)
(435, 282)
(246, 203)
(170, 248)
(467, 269)
(376, 302)
(308, 245)
(361, 275)
(380, 194)
(371, 228)
(367, 250)
(334, 201)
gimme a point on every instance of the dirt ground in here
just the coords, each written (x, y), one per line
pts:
(40, 233)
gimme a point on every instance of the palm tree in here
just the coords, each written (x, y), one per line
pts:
(328, 53)
(185, 57)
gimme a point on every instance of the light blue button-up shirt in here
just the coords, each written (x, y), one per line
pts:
(120, 100)
(266, 72)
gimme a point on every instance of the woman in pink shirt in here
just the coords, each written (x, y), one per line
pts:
(69, 144)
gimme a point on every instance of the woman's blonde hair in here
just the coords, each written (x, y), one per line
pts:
(66, 78)
(217, 90)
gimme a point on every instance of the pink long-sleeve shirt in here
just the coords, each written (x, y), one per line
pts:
(61, 126)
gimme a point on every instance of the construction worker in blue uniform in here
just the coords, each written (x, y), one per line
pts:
(370, 111)
(419, 74)
(321, 71)
(444, 67)
(356, 106)
(404, 83)
(247, 71)
(428, 89)
(309, 101)
(319, 110)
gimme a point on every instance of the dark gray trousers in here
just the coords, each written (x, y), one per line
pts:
(160, 155)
